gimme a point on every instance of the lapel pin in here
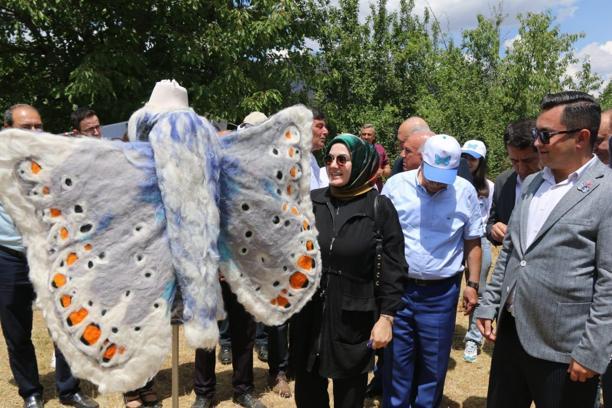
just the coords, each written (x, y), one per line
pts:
(585, 186)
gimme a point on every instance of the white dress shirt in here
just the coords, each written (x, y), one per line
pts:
(518, 190)
(547, 197)
(318, 175)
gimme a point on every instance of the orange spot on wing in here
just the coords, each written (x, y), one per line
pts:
(284, 291)
(295, 211)
(309, 245)
(55, 212)
(282, 301)
(64, 233)
(35, 167)
(293, 172)
(59, 280)
(305, 262)
(121, 349)
(291, 152)
(72, 258)
(88, 247)
(66, 300)
(298, 280)
(91, 334)
(45, 190)
(77, 317)
(285, 206)
(109, 352)
(288, 135)
(289, 189)
(305, 224)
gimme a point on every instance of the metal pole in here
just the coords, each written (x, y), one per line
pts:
(175, 366)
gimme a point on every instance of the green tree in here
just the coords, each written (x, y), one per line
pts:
(108, 54)
(605, 99)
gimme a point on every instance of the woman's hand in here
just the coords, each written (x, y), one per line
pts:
(382, 332)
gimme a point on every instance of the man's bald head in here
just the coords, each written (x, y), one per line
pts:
(605, 131)
(411, 125)
(22, 116)
(411, 148)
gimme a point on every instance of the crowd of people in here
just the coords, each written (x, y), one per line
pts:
(398, 241)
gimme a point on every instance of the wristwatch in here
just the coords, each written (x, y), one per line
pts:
(472, 284)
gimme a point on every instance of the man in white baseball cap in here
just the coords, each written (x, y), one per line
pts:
(441, 220)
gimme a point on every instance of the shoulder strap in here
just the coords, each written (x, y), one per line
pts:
(379, 239)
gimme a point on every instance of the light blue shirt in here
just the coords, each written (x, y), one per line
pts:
(9, 236)
(434, 226)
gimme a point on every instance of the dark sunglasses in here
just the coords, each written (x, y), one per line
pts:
(341, 159)
(546, 135)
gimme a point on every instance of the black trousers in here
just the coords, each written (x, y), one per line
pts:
(517, 379)
(242, 334)
(278, 349)
(311, 390)
(16, 297)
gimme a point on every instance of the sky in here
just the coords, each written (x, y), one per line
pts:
(591, 17)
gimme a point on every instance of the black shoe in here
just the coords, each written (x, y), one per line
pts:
(247, 400)
(203, 402)
(33, 401)
(262, 352)
(225, 355)
(79, 400)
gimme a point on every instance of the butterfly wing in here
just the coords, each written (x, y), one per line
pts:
(92, 219)
(268, 248)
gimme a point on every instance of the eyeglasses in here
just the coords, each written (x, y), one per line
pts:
(546, 135)
(341, 159)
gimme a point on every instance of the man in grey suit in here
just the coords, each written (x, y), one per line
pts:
(551, 290)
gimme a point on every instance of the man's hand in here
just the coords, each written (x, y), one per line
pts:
(470, 300)
(486, 328)
(382, 333)
(498, 231)
(578, 372)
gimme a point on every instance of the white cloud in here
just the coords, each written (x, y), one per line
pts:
(565, 13)
(509, 44)
(600, 57)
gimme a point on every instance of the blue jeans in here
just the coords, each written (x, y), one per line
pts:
(416, 360)
(473, 334)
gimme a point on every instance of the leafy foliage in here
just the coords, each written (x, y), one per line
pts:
(238, 56)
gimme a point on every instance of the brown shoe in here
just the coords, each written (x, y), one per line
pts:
(280, 385)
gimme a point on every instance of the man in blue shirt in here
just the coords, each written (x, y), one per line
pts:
(441, 221)
(16, 297)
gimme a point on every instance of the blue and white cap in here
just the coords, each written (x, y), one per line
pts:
(475, 148)
(441, 156)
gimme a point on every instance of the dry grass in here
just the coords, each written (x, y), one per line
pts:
(466, 383)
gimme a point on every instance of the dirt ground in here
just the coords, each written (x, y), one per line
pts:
(466, 383)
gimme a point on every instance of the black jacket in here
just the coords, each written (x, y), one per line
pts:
(334, 327)
(504, 197)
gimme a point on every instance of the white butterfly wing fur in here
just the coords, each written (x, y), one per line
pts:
(268, 242)
(99, 259)
(187, 161)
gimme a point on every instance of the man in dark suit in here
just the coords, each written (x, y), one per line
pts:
(551, 290)
(525, 161)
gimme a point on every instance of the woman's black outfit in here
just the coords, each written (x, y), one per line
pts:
(330, 335)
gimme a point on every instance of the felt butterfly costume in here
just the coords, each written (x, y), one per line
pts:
(111, 227)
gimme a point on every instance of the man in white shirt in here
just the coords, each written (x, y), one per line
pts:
(551, 290)
(318, 175)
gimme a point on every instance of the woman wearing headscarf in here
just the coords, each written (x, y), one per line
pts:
(352, 313)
